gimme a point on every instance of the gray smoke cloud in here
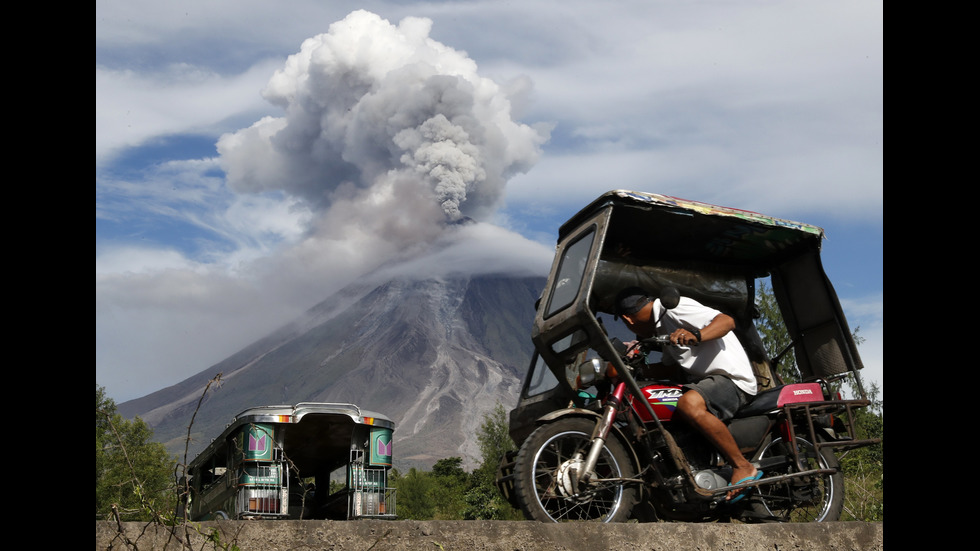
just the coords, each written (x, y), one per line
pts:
(385, 125)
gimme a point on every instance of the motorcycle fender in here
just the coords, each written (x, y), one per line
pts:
(567, 412)
(580, 412)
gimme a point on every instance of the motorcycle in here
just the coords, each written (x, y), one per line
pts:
(582, 466)
(599, 442)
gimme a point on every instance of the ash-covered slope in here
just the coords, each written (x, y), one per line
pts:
(434, 355)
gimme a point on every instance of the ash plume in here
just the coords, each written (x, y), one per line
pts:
(384, 122)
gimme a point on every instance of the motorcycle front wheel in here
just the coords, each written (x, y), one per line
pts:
(818, 498)
(546, 475)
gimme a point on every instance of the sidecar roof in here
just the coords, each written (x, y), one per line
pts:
(649, 225)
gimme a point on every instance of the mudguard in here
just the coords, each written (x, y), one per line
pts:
(553, 416)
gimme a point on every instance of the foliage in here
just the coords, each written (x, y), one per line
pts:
(450, 483)
(774, 336)
(448, 492)
(132, 478)
(484, 500)
(451, 470)
(432, 495)
(864, 483)
(132, 473)
(862, 467)
(414, 494)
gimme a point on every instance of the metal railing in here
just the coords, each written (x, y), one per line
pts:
(370, 495)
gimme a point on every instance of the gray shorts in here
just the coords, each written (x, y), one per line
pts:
(720, 394)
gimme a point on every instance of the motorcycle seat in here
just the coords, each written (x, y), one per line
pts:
(761, 403)
(768, 400)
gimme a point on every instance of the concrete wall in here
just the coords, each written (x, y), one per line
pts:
(377, 535)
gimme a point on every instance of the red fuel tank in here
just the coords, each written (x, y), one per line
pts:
(663, 398)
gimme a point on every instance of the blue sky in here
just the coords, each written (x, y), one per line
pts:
(254, 157)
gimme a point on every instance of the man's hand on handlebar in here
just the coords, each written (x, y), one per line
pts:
(632, 350)
(683, 337)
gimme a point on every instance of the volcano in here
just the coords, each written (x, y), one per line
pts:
(435, 355)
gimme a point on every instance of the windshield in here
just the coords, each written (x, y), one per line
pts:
(570, 271)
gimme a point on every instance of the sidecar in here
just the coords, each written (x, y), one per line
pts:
(308, 461)
(710, 253)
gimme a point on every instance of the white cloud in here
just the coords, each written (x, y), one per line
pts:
(139, 260)
(873, 356)
(866, 315)
(772, 107)
(154, 328)
(161, 318)
(132, 108)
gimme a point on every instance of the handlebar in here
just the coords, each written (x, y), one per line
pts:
(657, 341)
(644, 346)
(638, 350)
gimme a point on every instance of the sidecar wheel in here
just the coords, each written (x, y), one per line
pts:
(812, 499)
(545, 484)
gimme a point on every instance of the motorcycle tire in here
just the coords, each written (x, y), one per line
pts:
(817, 498)
(545, 485)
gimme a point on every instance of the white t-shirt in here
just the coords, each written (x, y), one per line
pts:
(724, 356)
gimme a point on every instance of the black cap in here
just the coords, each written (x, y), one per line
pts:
(631, 300)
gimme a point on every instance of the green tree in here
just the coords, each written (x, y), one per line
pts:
(414, 494)
(450, 483)
(450, 470)
(483, 500)
(775, 338)
(448, 492)
(131, 472)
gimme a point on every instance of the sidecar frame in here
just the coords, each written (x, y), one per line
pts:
(261, 465)
(711, 253)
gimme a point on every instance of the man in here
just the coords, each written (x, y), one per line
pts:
(707, 353)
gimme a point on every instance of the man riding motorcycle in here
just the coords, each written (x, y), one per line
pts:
(597, 445)
(708, 353)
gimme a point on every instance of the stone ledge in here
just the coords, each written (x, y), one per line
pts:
(378, 535)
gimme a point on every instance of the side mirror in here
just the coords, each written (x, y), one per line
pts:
(670, 297)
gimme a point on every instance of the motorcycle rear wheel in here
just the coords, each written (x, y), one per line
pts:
(545, 485)
(818, 498)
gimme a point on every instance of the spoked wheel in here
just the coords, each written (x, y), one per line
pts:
(818, 498)
(546, 475)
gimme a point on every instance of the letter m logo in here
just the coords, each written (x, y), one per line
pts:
(384, 449)
(256, 444)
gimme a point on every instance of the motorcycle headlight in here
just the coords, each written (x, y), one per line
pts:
(588, 372)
